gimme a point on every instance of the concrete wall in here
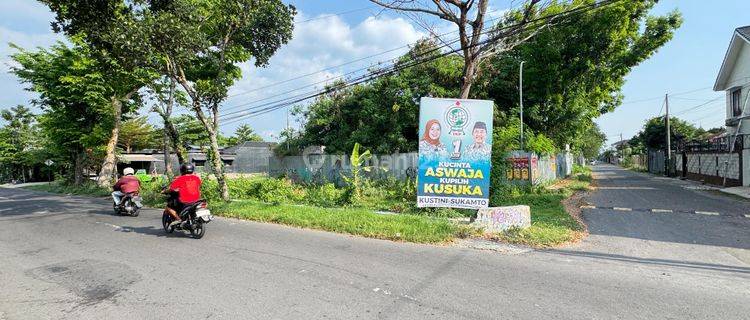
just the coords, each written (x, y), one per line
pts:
(316, 167)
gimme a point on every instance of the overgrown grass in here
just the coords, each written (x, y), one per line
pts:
(89, 189)
(551, 223)
(355, 221)
(326, 207)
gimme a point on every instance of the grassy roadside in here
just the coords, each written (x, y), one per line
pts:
(361, 222)
(551, 224)
(84, 190)
(354, 221)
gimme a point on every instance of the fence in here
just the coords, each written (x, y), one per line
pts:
(717, 162)
(330, 168)
(531, 168)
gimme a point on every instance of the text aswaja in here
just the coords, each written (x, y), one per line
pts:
(455, 179)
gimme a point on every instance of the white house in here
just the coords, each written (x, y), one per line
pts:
(734, 79)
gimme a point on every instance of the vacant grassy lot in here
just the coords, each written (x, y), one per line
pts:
(362, 222)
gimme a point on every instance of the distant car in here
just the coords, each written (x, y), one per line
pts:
(593, 162)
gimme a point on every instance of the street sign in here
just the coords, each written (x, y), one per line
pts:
(49, 162)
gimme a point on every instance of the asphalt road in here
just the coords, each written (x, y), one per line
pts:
(69, 258)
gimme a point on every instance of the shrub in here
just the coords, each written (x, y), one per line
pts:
(326, 195)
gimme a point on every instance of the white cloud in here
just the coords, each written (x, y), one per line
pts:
(316, 45)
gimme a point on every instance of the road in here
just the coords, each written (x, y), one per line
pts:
(66, 257)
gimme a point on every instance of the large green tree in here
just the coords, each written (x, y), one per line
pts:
(198, 42)
(381, 116)
(115, 41)
(243, 133)
(21, 142)
(653, 136)
(75, 98)
(575, 69)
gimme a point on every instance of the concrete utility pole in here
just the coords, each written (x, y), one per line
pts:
(669, 137)
(520, 96)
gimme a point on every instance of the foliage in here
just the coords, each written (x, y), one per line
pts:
(75, 98)
(88, 188)
(358, 161)
(243, 133)
(361, 222)
(382, 115)
(575, 68)
(653, 135)
(590, 142)
(137, 134)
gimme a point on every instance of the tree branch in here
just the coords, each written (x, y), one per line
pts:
(440, 14)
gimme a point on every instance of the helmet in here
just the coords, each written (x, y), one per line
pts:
(186, 168)
(128, 171)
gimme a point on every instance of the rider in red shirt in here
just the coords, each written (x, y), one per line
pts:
(127, 184)
(188, 188)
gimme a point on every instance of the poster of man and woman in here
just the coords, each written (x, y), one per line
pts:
(455, 150)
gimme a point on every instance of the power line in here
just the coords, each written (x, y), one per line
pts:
(330, 15)
(345, 64)
(379, 73)
(396, 68)
(698, 106)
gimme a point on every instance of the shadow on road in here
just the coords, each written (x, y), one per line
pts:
(651, 261)
(626, 189)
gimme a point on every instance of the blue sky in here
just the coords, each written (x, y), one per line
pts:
(689, 63)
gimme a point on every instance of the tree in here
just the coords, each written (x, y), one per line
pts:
(115, 42)
(654, 133)
(198, 42)
(381, 115)
(476, 43)
(136, 134)
(590, 143)
(244, 133)
(575, 69)
(75, 98)
(21, 141)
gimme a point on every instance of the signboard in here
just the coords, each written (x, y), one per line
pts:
(49, 162)
(455, 148)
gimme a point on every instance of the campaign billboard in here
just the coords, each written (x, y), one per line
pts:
(455, 150)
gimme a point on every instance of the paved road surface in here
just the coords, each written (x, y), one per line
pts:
(69, 258)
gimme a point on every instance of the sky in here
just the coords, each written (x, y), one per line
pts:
(331, 33)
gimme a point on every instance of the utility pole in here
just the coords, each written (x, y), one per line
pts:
(669, 137)
(520, 96)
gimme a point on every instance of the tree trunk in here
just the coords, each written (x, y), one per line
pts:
(468, 79)
(167, 157)
(110, 160)
(218, 165)
(78, 170)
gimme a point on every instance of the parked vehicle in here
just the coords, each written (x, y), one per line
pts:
(130, 204)
(194, 217)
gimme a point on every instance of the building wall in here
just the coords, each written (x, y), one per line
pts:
(740, 76)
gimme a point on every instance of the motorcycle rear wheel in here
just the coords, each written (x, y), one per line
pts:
(198, 230)
(165, 221)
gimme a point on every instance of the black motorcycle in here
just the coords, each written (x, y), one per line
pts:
(130, 204)
(194, 217)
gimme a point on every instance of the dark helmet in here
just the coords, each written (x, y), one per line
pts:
(186, 168)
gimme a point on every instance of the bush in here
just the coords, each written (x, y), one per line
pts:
(326, 195)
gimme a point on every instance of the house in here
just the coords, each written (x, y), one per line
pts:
(734, 79)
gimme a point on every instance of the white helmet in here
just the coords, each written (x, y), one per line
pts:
(128, 171)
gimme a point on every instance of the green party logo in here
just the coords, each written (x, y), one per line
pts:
(457, 118)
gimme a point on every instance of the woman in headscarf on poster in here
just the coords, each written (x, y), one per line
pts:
(430, 143)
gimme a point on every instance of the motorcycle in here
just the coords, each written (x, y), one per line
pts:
(194, 217)
(130, 204)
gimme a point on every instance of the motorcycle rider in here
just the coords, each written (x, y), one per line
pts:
(128, 183)
(188, 189)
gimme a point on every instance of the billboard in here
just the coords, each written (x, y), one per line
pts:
(455, 148)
